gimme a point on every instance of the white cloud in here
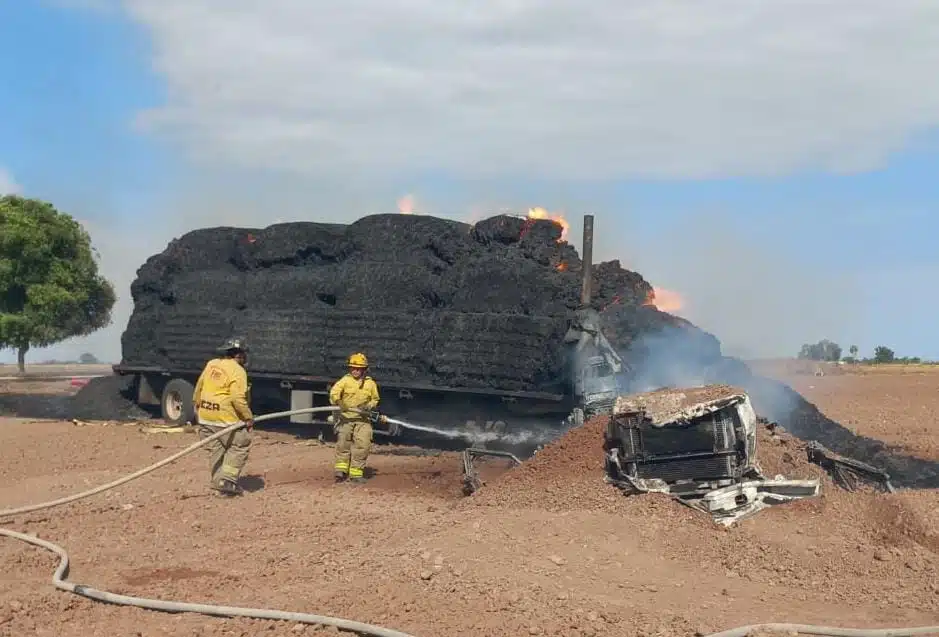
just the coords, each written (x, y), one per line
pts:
(359, 98)
(557, 88)
(8, 185)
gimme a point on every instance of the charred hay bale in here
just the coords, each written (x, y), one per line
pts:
(508, 230)
(395, 237)
(204, 249)
(139, 342)
(195, 251)
(383, 285)
(501, 229)
(612, 285)
(301, 244)
(284, 340)
(220, 289)
(154, 279)
(188, 336)
(541, 231)
(288, 288)
(488, 350)
(502, 283)
(399, 345)
(557, 256)
(540, 242)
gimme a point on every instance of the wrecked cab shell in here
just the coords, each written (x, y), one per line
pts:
(698, 444)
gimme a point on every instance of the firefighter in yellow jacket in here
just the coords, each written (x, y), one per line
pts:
(355, 390)
(221, 400)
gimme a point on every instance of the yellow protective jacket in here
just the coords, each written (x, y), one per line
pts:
(349, 392)
(221, 395)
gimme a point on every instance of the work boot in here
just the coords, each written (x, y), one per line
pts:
(227, 487)
(357, 480)
(339, 476)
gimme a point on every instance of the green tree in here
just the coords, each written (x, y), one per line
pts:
(854, 350)
(824, 350)
(50, 289)
(883, 354)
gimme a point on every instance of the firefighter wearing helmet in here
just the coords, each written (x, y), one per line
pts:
(221, 400)
(354, 391)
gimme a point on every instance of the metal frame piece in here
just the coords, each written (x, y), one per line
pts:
(847, 472)
(737, 502)
(471, 480)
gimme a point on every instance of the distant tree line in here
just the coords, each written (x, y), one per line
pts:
(829, 351)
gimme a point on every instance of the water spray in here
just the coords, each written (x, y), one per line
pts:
(477, 436)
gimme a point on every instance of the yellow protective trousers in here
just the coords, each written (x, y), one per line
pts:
(353, 447)
(229, 453)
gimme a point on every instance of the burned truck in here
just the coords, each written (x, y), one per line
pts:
(698, 444)
(473, 328)
(688, 439)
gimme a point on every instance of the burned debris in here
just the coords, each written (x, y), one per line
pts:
(472, 480)
(847, 473)
(698, 444)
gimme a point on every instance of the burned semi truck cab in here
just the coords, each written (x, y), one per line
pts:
(689, 440)
(597, 386)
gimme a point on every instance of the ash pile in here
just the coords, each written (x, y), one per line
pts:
(431, 301)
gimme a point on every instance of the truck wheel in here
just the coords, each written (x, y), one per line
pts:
(176, 402)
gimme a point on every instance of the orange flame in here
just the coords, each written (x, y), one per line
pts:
(561, 267)
(541, 213)
(665, 300)
(406, 205)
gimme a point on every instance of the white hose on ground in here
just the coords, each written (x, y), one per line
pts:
(829, 631)
(179, 607)
(155, 466)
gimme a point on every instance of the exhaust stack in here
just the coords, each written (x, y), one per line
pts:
(587, 257)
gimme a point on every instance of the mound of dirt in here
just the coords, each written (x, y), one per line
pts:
(780, 453)
(106, 398)
(429, 300)
(567, 475)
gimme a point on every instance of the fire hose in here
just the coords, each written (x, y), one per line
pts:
(828, 631)
(61, 572)
(59, 581)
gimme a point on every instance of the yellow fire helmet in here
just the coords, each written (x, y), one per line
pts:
(358, 360)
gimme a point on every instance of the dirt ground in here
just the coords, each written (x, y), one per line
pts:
(544, 549)
(33, 370)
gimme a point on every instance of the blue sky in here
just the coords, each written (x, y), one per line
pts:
(777, 225)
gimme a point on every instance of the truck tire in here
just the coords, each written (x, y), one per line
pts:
(176, 402)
